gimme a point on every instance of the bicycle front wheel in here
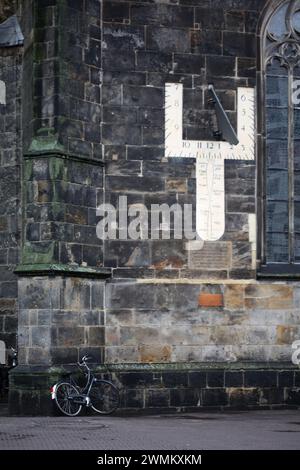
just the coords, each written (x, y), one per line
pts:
(64, 399)
(104, 397)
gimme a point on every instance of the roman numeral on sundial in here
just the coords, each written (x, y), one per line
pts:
(210, 156)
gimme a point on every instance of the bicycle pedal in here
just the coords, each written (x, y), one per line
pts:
(79, 400)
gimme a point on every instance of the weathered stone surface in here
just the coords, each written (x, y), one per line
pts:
(63, 329)
(166, 15)
(40, 337)
(260, 378)
(214, 397)
(234, 297)
(220, 66)
(234, 379)
(154, 353)
(241, 255)
(239, 44)
(243, 397)
(35, 294)
(134, 398)
(93, 90)
(115, 355)
(168, 39)
(96, 336)
(287, 334)
(177, 185)
(286, 379)
(151, 60)
(206, 42)
(76, 294)
(197, 379)
(294, 397)
(165, 256)
(268, 296)
(158, 398)
(10, 188)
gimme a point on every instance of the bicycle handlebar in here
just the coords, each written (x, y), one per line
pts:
(83, 361)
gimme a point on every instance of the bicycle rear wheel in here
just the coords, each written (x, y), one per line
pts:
(104, 397)
(65, 392)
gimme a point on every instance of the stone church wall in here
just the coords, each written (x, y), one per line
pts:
(176, 328)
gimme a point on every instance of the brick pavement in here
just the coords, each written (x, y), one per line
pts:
(202, 431)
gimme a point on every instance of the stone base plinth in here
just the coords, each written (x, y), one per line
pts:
(157, 388)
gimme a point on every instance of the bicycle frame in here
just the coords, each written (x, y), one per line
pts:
(90, 380)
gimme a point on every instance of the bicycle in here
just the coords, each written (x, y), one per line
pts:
(99, 394)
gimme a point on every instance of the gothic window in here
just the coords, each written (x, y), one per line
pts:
(280, 63)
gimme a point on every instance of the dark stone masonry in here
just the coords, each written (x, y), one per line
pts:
(82, 122)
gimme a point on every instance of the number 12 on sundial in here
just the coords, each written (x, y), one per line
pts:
(210, 156)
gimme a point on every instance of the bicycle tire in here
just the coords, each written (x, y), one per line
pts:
(63, 403)
(105, 397)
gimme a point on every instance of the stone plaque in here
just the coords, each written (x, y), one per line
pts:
(213, 255)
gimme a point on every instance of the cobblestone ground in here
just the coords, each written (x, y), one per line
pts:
(205, 431)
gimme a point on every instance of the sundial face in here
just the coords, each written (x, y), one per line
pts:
(210, 156)
(2, 93)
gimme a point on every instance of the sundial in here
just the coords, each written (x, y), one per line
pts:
(2, 93)
(211, 155)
